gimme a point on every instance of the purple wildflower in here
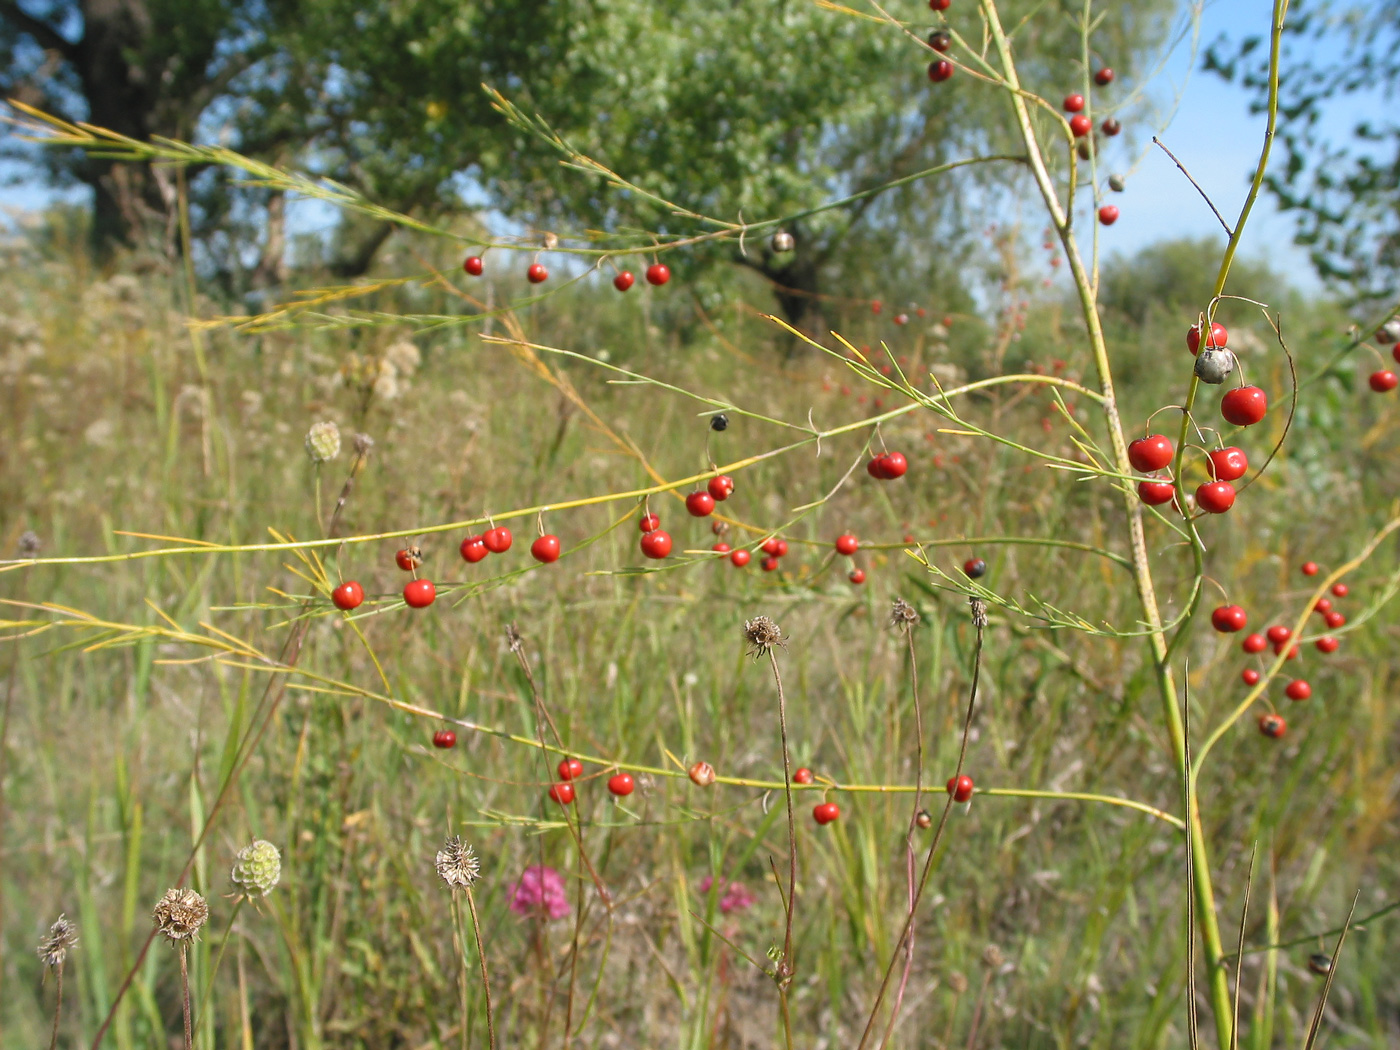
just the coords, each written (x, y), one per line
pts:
(540, 890)
(736, 897)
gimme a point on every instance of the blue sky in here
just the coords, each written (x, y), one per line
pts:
(1212, 132)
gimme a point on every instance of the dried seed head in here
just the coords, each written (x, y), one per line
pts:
(362, 443)
(762, 634)
(992, 957)
(53, 949)
(702, 774)
(29, 544)
(457, 864)
(957, 982)
(903, 616)
(979, 611)
(924, 819)
(179, 914)
(323, 442)
(257, 868)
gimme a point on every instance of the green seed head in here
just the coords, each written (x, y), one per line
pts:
(257, 868)
(323, 442)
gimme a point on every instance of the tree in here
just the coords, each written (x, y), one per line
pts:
(1345, 195)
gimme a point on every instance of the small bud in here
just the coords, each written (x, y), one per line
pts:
(783, 242)
(323, 442)
(257, 868)
(180, 914)
(702, 774)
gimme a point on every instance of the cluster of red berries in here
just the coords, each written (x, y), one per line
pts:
(656, 274)
(1230, 619)
(1080, 126)
(1244, 406)
(570, 769)
(1384, 380)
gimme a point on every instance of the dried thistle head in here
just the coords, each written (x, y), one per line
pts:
(457, 864)
(957, 982)
(762, 634)
(362, 443)
(179, 914)
(53, 949)
(257, 868)
(979, 611)
(29, 544)
(903, 616)
(992, 957)
(323, 442)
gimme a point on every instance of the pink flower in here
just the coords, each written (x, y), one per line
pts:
(540, 889)
(736, 895)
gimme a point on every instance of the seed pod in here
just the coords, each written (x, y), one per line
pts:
(702, 774)
(1213, 366)
(783, 242)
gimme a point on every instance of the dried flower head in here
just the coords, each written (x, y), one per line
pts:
(979, 611)
(29, 544)
(53, 949)
(992, 957)
(362, 443)
(323, 442)
(762, 634)
(957, 982)
(257, 868)
(179, 914)
(702, 774)
(903, 616)
(457, 864)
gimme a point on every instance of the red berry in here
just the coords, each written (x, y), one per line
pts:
(847, 544)
(1322, 605)
(974, 568)
(1335, 619)
(1250, 676)
(1108, 214)
(895, 465)
(656, 544)
(1308, 568)
(960, 788)
(1327, 644)
(700, 504)
(1155, 493)
(939, 5)
(570, 769)
(624, 281)
(856, 576)
(802, 775)
(940, 41)
(474, 265)
(1340, 590)
(1079, 126)
(1103, 77)
(1150, 453)
(622, 784)
(1217, 339)
(545, 549)
(1215, 497)
(1229, 619)
(781, 549)
(1384, 381)
(562, 793)
(409, 558)
(876, 468)
(938, 72)
(771, 545)
(1279, 633)
(348, 595)
(1254, 643)
(720, 548)
(1298, 690)
(1272, 726)
(649, 523)
(1292, 648)
(1074, 103)
(474, 549)
(1228, 464)
(497, 540)
(537, 274)
(444, 738)
(419, 594)
(768, 564)
(658, 274)
(740, 558)
(826, 812)
(875, 305)
(1244, 406)
(1111, 127)
(721, 487)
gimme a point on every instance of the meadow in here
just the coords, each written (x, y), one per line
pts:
(163, 712)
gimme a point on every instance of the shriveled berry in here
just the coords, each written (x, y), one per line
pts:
(856, 576)
(974, 568)
(1272, 726)
(702, 774)
(768, 564)
(939, 40)
(408, 559)
(1111, 127)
